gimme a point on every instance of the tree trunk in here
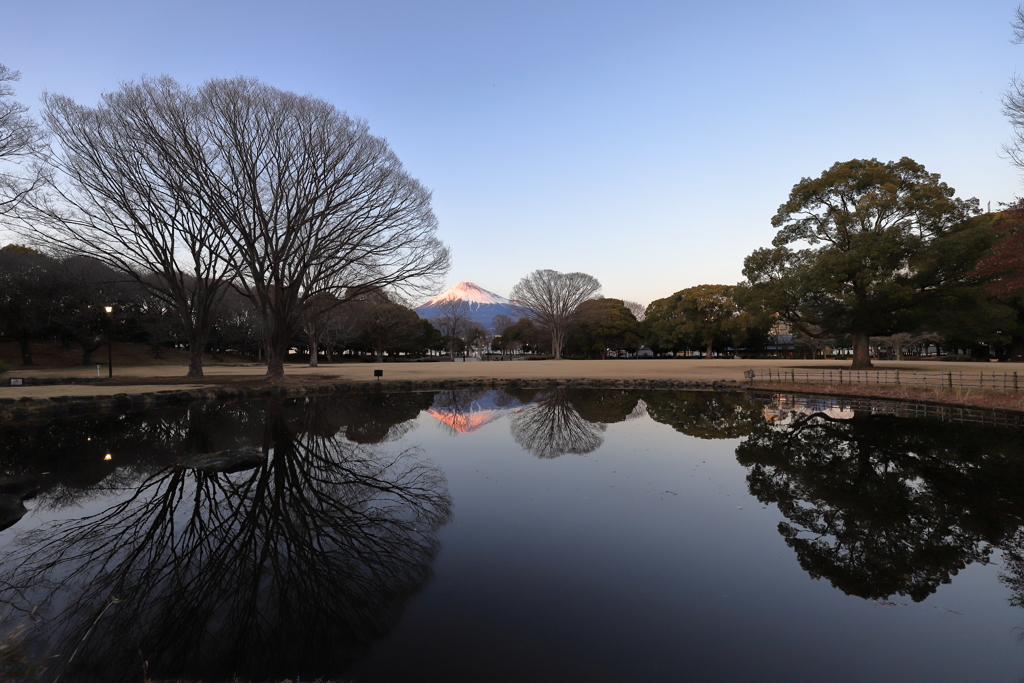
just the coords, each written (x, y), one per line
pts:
(1017, 352)
(556, 345)
(861, 355)
(275, 362)
(26, 351)
(710, 350)
(195, 360)
(314, 346)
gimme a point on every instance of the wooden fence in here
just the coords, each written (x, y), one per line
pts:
(1000, 381)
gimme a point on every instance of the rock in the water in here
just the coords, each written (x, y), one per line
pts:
(231, 460)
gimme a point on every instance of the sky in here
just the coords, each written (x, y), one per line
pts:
(646, 143)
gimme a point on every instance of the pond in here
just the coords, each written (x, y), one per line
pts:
(516, 535)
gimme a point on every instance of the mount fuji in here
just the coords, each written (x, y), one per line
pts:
(483, 305)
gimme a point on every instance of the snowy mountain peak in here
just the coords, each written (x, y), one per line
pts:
(467, 291)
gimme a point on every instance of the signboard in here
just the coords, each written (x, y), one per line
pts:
(17, 381)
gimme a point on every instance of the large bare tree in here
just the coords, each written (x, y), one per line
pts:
(20, 139)
(120, 197)
(306, 201)
(550, 299)
(281, 194)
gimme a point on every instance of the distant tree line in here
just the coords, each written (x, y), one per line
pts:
(43, 298)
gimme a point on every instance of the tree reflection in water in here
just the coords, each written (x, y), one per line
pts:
(881, 505)
(705, 415)
(290, 570)
(551, 426)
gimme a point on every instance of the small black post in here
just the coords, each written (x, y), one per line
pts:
(378, 374)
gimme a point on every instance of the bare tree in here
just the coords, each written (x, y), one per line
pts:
(500, 322)
(1013, 99)
(814, 338)
(315, 318)
(120, 198)
(289, 197)
(20, 139)
(452, 321)
(306, 201)
(638, 310)
(550, 299)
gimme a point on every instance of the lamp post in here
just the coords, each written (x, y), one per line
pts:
(110, 340)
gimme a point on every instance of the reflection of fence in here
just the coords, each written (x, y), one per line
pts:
(1005, 381)
(815, 404)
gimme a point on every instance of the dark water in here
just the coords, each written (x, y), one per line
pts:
(555, 535)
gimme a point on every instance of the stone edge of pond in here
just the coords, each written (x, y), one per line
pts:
(26, 408)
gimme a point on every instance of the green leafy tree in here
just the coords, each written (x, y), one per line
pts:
(522, 335)
(603, 324)
(889, 251)
(390, 327)
(704, 315)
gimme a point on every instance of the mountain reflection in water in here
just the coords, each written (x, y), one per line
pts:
(292, 569)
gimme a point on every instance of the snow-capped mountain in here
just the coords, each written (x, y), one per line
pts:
(483, 305)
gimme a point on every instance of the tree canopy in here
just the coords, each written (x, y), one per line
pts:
(888, 248)
(702, 315)
(602, 324)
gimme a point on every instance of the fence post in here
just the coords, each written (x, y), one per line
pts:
(897, 378)
(1015, 382)
(949, 376)
(792, 375)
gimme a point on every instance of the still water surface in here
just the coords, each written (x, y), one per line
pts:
(554, 535)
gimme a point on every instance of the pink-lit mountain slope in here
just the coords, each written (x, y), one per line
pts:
(483, 305)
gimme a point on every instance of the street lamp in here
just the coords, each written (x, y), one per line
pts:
(110, 340)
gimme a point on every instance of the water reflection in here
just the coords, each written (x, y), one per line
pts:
(880, 505)
(703, 415)
(462, 412)
(296, 567)
(292, 569)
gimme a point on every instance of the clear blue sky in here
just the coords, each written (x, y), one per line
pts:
(646, 143)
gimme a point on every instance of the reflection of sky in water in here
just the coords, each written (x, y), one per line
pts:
(647, 558)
